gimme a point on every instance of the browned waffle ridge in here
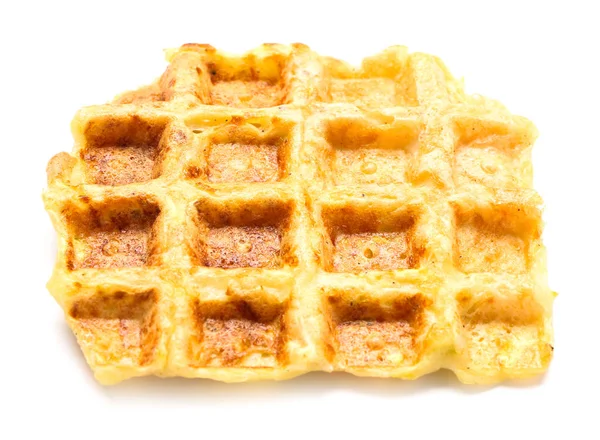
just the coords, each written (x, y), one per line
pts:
(280, 212)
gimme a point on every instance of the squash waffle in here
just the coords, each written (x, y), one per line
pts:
(266, 215)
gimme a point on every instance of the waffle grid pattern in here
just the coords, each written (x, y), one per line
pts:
(267, 215)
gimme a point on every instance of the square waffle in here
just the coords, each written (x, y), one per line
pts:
(267, 215)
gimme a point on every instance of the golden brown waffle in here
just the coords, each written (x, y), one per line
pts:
(267, 215)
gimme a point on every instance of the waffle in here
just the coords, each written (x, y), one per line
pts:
(266, 215)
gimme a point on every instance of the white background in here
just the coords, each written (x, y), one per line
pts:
(540, 59)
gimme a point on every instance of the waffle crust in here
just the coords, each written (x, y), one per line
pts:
(266, 215)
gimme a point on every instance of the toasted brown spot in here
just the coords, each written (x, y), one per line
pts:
(230, 247)
(372, 334)
(236, 333)
(118, 248)
(248, 150)
(363, 343)
(248, 81)
(252, 234)
(118, 328)
(361, 240)
(112, 236)
(193, 172)
(121, 165)
(372, 251)
(123, 150)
